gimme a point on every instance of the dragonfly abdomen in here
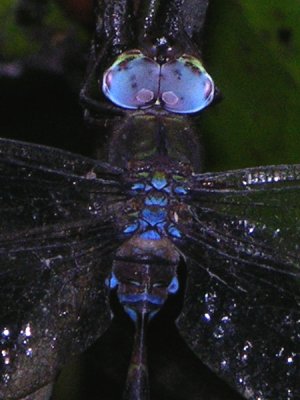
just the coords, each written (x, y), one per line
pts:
(144, 270)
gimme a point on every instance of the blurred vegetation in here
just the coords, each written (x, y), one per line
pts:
(252, 51)
(24, 29)
(43, 55)
(13, 43)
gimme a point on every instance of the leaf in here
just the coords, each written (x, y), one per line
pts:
(258, 121)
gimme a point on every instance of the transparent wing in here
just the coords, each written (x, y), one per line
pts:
(56, 237)
(241, 313)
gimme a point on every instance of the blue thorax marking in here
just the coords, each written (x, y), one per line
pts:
(180, 190)
(156, 200)
(159, 180)
(151, 221)
(138, 186)
(131, 228)
(173, 231)
(154, 216)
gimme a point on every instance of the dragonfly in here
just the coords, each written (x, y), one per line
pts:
(77, 233)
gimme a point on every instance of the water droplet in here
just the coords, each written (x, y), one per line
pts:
(29, 352)
(28, 331)
(5, 332)
(207, 317)
(219, 332)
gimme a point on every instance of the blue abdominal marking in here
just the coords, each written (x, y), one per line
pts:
(133, 313)
(135, 298)
(112, 281)
(174, 285)
(152, 218)
(150, 235)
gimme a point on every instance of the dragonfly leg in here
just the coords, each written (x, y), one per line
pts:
(88, 100)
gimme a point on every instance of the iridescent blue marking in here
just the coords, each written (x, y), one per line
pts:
(154, 217)
(131, 228)
(154, 200)
(138, 186)
(143, 225)
(150, 235)
(161, 225)
(173, 231)
(180, 190)
(155, 213)
(153, 313)
(112, 282)
(131, 313)
(135, 298)
(159, 182)
(174, 285)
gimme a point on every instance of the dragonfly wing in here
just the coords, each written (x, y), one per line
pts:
(57, 233)
(241, 312)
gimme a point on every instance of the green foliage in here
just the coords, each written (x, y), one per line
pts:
(19, 42)
(13, 41)
(252, 52)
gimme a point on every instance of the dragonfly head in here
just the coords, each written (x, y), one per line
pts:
(178, 85)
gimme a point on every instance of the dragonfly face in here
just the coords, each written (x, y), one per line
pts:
(76, 230)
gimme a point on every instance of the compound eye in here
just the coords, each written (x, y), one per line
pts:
(132, 81)
(185, 86)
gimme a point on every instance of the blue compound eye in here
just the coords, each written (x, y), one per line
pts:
(132, 81)
(185, 86)
(136, 81)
